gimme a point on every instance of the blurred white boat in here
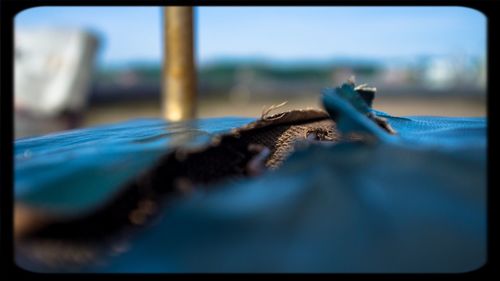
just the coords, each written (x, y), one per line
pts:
(53, 68)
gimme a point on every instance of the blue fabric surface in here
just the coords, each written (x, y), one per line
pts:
(414, 202)
(410, 203)
(75, 171)
(344, 209)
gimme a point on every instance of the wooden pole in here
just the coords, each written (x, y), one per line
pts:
(179, 79)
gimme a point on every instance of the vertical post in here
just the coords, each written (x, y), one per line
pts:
(179, 80)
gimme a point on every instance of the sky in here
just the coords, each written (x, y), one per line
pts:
(284, 34)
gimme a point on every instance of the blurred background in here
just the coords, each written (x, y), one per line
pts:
(85, 66)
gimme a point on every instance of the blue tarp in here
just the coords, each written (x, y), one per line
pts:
(415, 202)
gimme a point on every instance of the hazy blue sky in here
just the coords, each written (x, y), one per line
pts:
(279, 33)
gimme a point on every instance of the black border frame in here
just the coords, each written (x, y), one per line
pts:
(8, 11)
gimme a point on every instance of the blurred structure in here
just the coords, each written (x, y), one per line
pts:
(244, 66)
(179, 97)
(53, 68)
